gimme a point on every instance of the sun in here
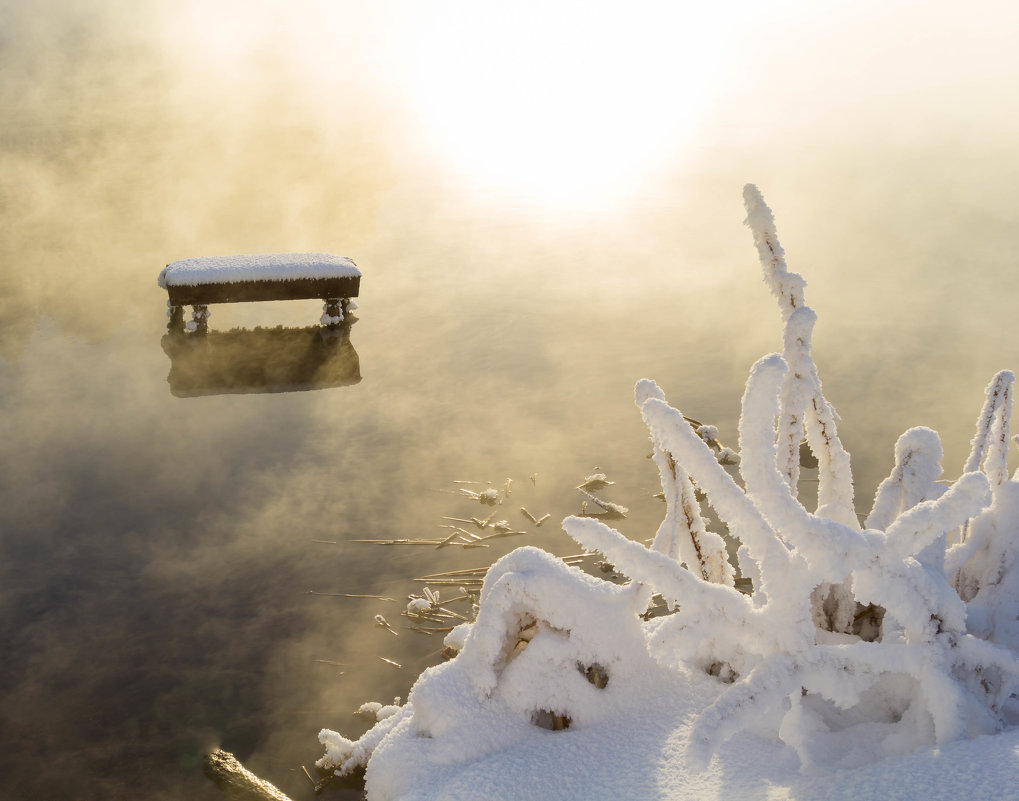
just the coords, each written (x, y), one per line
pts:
(562, 104)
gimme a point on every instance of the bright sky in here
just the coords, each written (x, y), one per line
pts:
(573, 105)
(561, 105)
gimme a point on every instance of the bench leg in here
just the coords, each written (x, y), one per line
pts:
(175, 315)
(332, 312)
(199, 320)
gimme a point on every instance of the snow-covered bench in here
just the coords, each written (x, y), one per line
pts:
(274, 276)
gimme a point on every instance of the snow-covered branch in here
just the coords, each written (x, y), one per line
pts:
(854, 643)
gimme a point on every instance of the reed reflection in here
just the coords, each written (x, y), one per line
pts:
(261, 360)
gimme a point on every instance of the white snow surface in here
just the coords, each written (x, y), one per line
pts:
(640, 758)
(256, 267)
(466, 733)
(561, 689)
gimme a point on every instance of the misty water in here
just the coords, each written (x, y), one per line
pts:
(159, 542)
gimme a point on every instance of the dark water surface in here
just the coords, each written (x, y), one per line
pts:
(158, 540)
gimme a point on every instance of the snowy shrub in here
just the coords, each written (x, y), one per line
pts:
(856, 642)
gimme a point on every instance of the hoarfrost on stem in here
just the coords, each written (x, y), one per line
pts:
(933, 568)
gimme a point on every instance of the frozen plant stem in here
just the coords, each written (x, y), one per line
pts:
(936, 569)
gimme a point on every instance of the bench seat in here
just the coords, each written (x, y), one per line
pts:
(272, 276)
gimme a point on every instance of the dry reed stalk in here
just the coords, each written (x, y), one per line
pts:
(351, 595)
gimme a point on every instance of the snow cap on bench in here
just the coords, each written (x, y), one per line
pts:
(258, 267)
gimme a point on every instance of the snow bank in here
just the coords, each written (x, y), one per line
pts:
(258, 267)
(866, 663)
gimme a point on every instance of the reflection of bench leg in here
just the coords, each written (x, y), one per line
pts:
(199, 320)
(332, 311)
(175, 325)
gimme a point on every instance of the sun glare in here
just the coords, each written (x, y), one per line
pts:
(559, 104)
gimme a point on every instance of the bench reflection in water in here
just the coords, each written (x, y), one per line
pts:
(261, 360)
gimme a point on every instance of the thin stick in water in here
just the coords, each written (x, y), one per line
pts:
(351, 595)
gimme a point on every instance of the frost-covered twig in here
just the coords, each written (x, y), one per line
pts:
(675, 582)
(683, 534)
(607, 507)
(802, 396)
(991, 441)
(913, 479)
(745, 521)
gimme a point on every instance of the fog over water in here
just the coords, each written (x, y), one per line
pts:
(156, 551)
